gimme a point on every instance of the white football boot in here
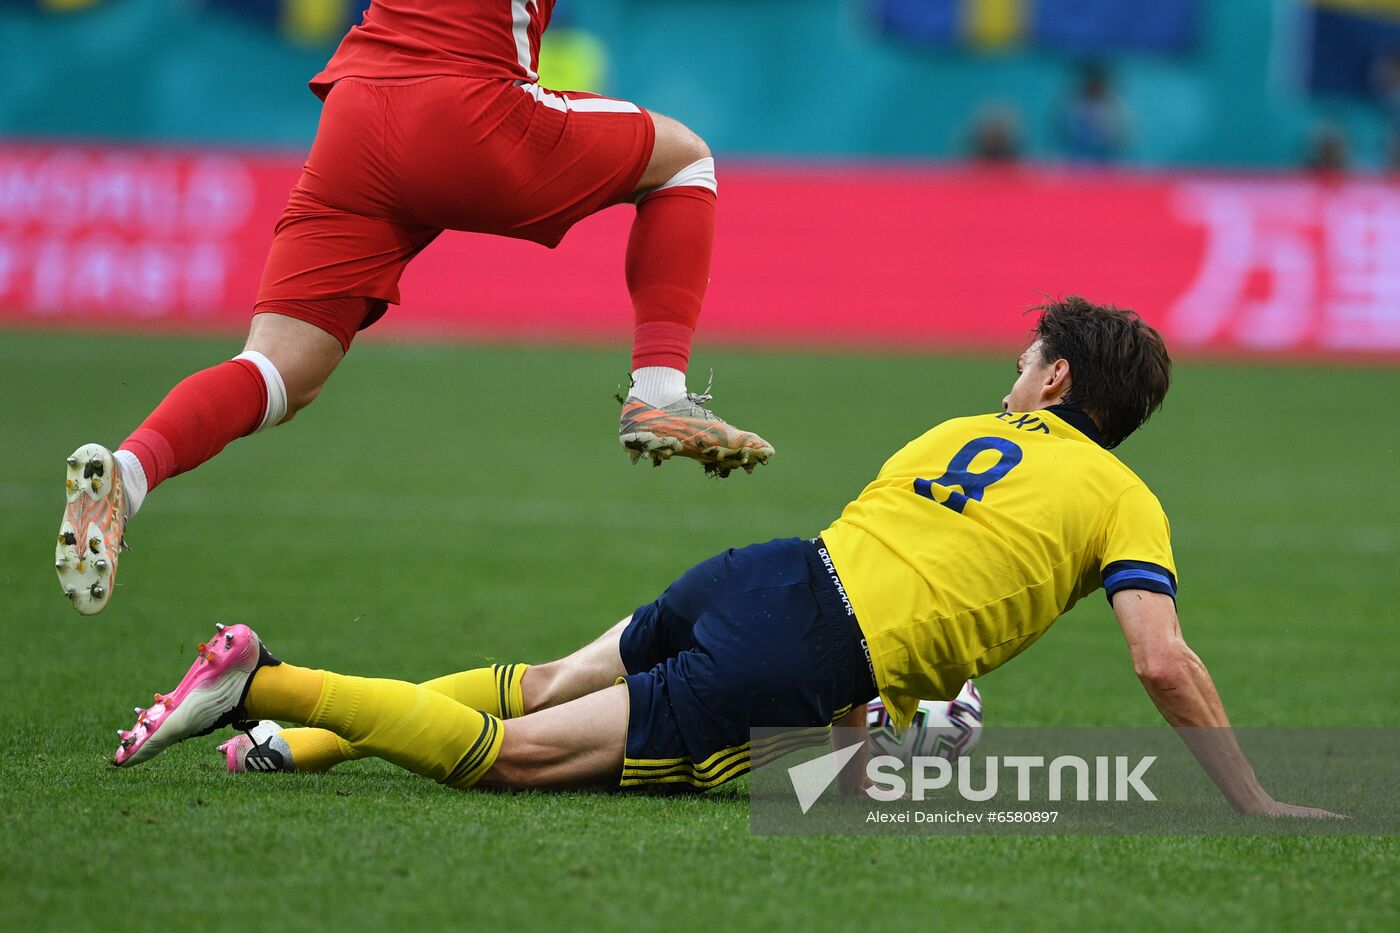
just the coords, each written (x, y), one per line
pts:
(261, 748)
(90, 536)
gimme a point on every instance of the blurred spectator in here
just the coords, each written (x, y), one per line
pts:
(1386, 84)
(1328, 152)
(1093, 126)
(63, 6)
(574, 60)
(996, 136)
(312, 23)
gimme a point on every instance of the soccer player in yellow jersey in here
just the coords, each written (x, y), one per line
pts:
(968, 545)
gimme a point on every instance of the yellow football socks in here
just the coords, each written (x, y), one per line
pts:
(493, 690)
(289, 689)
(318, 749)
(407, 724)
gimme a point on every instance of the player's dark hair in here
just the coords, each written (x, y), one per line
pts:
(1119, 369)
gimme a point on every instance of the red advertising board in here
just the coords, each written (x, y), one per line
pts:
(908, 257)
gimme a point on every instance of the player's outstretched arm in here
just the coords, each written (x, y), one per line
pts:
(1184, 693)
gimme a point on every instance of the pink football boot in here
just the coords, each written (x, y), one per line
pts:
(210, 696)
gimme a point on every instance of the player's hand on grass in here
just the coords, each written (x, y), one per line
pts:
(1279, 809)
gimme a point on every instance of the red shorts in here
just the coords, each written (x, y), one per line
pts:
(396, 163)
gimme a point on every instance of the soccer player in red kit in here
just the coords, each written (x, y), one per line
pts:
(433, 121)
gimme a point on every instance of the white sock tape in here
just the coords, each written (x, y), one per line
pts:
(133, 481)
(698, 174)
(276, 388)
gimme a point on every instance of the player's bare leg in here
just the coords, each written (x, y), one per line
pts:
(596, 666)
(668, 270)
(304, 355)
(284, 364)
(580, 744)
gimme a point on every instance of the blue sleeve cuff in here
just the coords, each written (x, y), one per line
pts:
(1138, 575)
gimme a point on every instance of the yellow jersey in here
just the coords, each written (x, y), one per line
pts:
(978, 535)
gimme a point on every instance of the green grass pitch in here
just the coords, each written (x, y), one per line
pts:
(441, 507)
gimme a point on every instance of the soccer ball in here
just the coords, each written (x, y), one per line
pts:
(942, 729)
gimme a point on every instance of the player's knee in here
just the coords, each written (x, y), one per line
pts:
(692, 148)
(676, 142)
(295, 359)
(289, 388)
(539, 687)
(676, 150)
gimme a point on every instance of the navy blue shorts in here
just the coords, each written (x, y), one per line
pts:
(755, 637)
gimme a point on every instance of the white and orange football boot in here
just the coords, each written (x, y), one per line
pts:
(90, 537)
(685, 428)
(210, 696)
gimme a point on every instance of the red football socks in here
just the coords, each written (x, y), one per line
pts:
(668, 269)
(198, 419)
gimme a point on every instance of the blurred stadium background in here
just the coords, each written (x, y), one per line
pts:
(897, 172)
(896, 175)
